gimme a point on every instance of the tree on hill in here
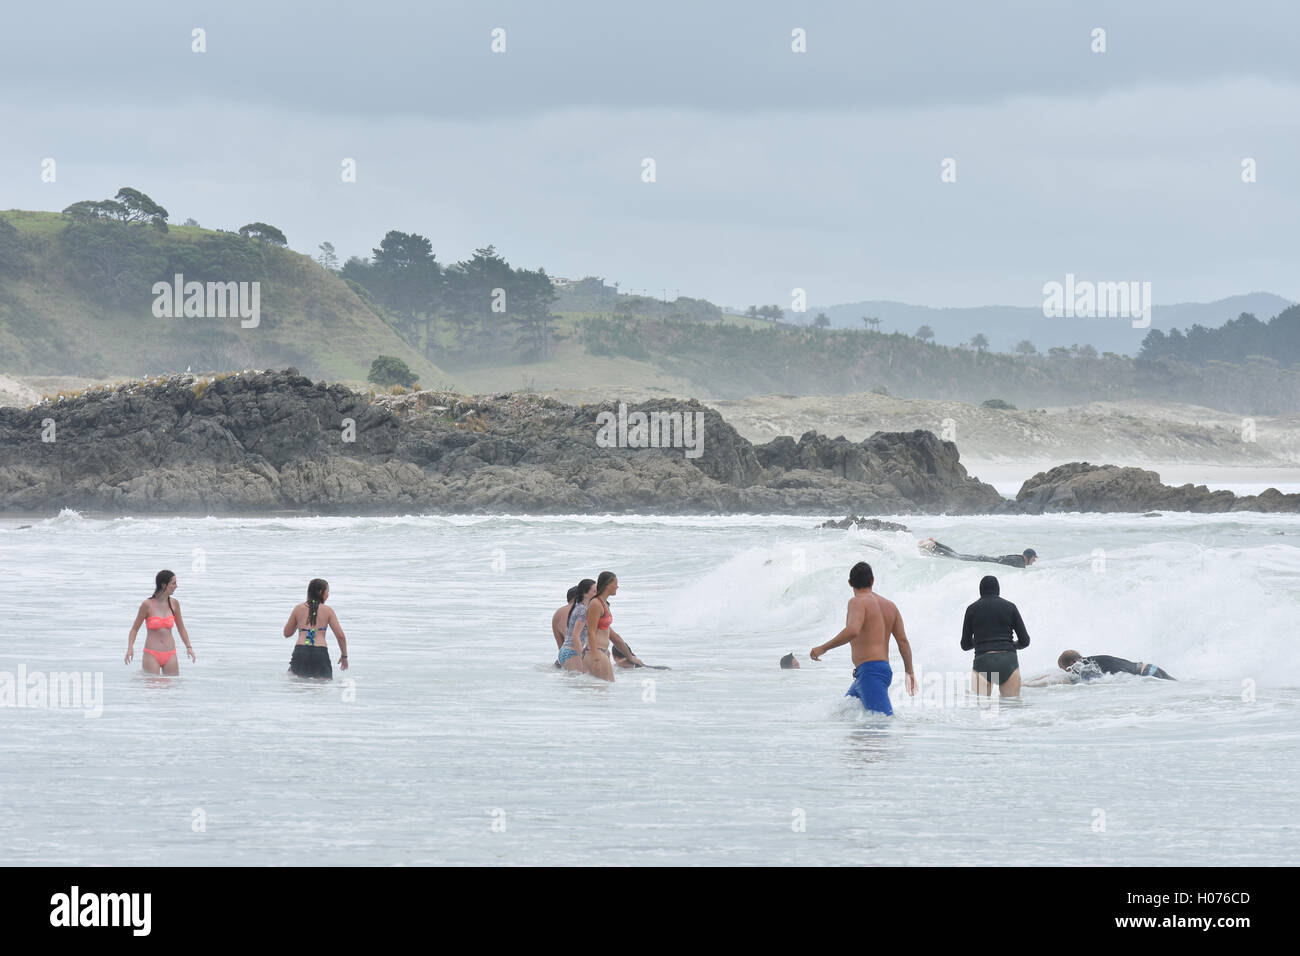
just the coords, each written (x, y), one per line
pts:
(139, 207)
(328, 258)
(1026, 347)
(871, 322)
(389, 370)
(472, 298)
(263, 233)
(529, 309)
(130, 205)
(822, 321)
(752, 312)
(980, 342)
(925, 333)
(406, 279)
(1233, 342)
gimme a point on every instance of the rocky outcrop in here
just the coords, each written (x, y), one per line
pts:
(275, 441)
(916, 465)
(863, 524)
(1080, 486)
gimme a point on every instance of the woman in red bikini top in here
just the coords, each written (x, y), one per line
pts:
(599, 619)
(159, 655)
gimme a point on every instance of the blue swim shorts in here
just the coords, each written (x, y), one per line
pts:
(871, 680)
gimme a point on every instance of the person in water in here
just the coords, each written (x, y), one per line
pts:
(310, 620)
(871, 619)
(560, 619)
(1022, 560)
(595, 653)
(987, 628)
(1079, 668)
(790, 662)
(573, 639)
(628, 659)
(159, 655)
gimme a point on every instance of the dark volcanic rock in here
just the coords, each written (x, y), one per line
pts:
(865, 524)
(1080, 486)
(271, 441)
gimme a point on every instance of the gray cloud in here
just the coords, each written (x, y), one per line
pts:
(775, 170)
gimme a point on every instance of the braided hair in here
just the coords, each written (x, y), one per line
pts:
(315, 595)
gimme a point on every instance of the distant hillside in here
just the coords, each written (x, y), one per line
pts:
(1005, 326)
(77, 298)
(723, 360)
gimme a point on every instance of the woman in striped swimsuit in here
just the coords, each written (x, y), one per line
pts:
(575, 632)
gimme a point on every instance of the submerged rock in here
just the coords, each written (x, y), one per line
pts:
(864, 524)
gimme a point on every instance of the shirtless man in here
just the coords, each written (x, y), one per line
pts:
(871, 619)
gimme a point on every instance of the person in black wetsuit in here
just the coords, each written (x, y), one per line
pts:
(1079, 668)
(1022, 560)
(987, 628)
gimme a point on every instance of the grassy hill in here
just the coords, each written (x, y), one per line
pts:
(80, 302)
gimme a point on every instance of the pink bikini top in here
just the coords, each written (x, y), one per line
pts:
(156, 623)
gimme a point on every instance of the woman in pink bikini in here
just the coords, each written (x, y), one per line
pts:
(595, 656)
(159, 655)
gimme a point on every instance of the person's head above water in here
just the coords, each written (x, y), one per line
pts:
(789, 662)
(1068, 659)
(860, 576)
(317, 591)
(160, 582)
(989, 585)
(1030, 556)
(579, 591)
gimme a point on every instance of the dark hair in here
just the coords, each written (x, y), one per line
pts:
(1030, 553)
(315, 594)
(1068, 659)
(575, 596)
(160, 581)
(860, 575)
(787, 662)
(989, 585)
(602, 581)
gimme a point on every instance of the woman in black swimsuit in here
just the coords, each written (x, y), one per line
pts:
(310, 620)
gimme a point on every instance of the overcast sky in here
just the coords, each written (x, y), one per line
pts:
(775, 169)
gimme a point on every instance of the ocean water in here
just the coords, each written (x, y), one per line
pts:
(453, 740)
